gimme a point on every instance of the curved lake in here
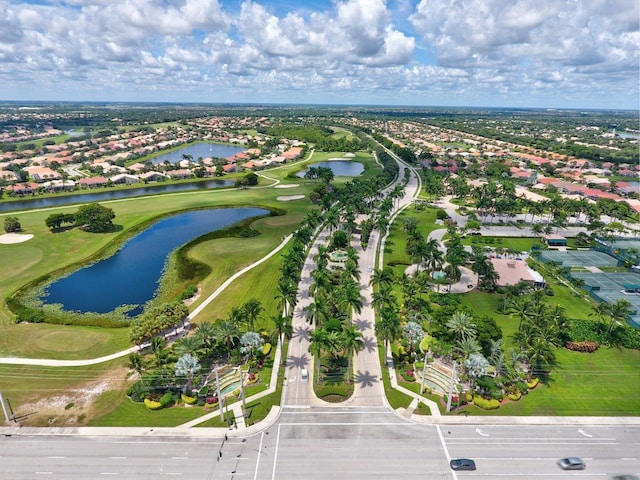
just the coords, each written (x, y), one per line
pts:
(131, 276)
(340, 168)
(197, 150)
(107, 194)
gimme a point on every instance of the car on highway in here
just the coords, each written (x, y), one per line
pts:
(572, 463)
(625, 477)
(462, 464)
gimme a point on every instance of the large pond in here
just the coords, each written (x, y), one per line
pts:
(340, 168)
(131, 276)
(197, 150)
(106, 194)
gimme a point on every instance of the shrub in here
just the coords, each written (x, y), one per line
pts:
(151, 405)
(266, 349)
(523, 387)
(188, 400)
(486, 404)
(407, 375)
(136, 392)
(584, 346)
(533, 383)
(188, 292)
(167, 400)
(514, 396)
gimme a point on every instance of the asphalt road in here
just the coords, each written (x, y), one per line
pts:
(332, 443)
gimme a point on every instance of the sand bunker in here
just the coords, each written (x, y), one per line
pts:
(293, 185)
(289, 198)
(8, 238)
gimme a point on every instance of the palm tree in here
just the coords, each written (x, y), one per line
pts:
(433, 255)
(191, 345)
(382, 277)
(317, 344)
(383, 297)
(619, 311)
(388, 327)
(460, 324)
(476, 366)
(467, 346)
(281, 327)
(350, 297)
(228, 332)
(351, 340)
(601, 311)
(187, 365)
(286, 294)
(540, 356)
(206, 332)
(332, 219)
(136, 363)
(252, 310)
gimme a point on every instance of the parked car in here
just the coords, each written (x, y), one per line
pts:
(462, 464)
(625, 477)
(572, 463)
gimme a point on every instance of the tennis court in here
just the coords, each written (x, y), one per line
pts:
(610, 287)
(578, 258)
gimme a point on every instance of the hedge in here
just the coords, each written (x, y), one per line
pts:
(485, 404)
(584, 346)
(151, 405)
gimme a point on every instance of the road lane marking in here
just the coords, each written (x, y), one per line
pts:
(255, 475)
(44, 473)
(179, 458)
(446, 451)
(118, 458)
(58, 456)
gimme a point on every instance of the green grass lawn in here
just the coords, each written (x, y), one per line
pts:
(603, 383)
(47, 252)
(516, 244)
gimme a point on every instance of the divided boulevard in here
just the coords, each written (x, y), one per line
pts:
(330, 443)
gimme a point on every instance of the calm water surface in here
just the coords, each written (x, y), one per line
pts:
(131, 276)
(197, 150)
(340, 168)
(106, 194)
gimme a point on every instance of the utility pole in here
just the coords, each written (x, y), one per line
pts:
(424, 373)
(244, 404)
(453, 377)
(219, 396)
(4, 408)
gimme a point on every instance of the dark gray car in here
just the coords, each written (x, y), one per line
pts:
(462, 464)
(572, 463)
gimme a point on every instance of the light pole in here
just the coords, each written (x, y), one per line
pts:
(453, 377)
(219, 396)
(244, 404)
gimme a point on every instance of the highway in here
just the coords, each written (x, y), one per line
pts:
(332, 443)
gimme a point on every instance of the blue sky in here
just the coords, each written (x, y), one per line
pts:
(496, 53)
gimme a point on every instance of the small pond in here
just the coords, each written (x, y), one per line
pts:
(340, 168)
(131, 276)
(197, 150)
